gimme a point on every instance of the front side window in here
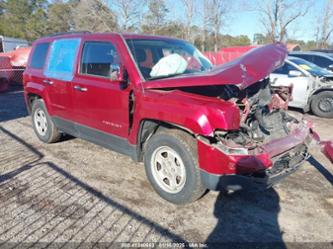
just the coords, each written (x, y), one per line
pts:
(162, 58)
(99, 59)
(39, 55)
(62, 58)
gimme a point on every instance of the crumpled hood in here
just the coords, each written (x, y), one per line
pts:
(252, 67)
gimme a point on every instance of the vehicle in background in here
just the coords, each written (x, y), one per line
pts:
(312, 88)
(324, 60)
(8, 44)
(12, 65)
(322, 73)
(160, 101)
(6, 73)
(329, 51)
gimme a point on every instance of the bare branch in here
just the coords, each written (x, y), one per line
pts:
(279, 14)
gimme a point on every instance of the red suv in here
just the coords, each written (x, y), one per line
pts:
(159, 100)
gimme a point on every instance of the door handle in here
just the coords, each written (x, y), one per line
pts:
(49, 82)
(81, 89)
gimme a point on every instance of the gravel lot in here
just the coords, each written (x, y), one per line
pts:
(80, 194)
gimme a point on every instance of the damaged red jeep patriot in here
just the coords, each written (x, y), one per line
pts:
(159, 100)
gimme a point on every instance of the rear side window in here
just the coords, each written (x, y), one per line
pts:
(62, 58)
(98, 58)
(39, 55)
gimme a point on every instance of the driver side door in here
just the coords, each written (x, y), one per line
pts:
(101, 108)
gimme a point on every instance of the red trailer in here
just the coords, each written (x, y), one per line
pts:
(225, 55)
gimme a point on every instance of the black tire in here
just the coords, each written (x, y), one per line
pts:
(51, 134)
(322, 104)
(185, 146)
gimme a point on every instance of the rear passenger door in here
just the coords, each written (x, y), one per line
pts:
(101, 105)
(58, 74)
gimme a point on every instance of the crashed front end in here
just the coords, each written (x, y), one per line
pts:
(251, 140)
(269, 144)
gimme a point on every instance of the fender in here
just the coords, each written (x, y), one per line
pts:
(196, 114)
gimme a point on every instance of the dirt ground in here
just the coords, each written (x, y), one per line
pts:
(77, 194)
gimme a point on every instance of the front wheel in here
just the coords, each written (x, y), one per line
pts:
(172, 168)
(322, 104)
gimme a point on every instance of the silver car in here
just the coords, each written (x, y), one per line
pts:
(312, 85)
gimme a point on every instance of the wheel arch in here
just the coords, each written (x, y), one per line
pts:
(148, 127)
(316, 92)
(31, 97)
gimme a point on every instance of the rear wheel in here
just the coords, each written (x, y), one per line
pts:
(172, 167)
(322, 104)
(43, 125)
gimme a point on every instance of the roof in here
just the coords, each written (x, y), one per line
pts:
(89, 34)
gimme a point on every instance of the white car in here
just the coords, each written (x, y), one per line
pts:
(312, 86)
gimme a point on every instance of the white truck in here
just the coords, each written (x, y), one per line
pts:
(8, 44)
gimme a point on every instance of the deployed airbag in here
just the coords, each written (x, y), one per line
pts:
(169, 65)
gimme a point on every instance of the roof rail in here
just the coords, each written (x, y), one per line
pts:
(69, 33)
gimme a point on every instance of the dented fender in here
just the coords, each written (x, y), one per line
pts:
(198, 114)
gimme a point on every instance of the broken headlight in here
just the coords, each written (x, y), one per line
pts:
(231, 150)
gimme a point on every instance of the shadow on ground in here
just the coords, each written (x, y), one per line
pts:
(12, 104)
(321, 168)
(42, 203)
(247, 219)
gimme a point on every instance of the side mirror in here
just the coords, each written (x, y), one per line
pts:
(294, 73)
(118, 73)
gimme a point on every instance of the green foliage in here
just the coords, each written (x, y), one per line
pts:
(31, 19)
(23, 19)
(59, 18)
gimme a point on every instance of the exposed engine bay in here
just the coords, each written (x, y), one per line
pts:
(262, 110)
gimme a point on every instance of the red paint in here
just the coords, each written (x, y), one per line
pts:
(18, 57)
(105, 106)
(328, 149)
(214, 161)
(12, 65)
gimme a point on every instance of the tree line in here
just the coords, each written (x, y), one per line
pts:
(201, 21)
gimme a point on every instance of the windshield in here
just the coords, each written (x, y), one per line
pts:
(310, 67)
(166, 58)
